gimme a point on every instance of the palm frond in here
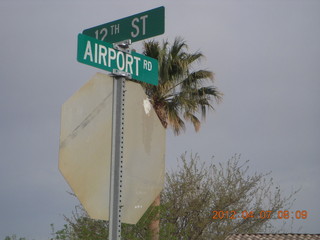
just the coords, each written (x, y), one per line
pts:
(173, 118)
(194, 120)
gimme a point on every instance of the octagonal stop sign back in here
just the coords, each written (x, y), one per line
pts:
(85, 149)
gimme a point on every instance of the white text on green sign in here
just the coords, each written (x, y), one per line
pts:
(136, 27)
(102, 55)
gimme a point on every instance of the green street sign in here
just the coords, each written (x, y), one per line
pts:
(136, 27)
(102, 55)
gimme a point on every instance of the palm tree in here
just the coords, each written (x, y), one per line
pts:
(182, 92)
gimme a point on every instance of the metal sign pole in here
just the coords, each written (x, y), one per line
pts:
(116, 158)
(119, 79)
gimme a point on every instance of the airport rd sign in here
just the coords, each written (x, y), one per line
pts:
(102, 55)
(136, 27)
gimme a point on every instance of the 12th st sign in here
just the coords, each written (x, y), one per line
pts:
(102, 55)
(136, 27)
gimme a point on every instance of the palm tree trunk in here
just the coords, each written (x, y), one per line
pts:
(155, 223)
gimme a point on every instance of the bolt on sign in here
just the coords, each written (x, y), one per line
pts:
(102, 55)
(136, 27)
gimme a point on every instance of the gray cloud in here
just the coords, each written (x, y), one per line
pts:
(265, 55)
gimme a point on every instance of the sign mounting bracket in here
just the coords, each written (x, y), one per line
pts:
(117, 73)
(123, 46)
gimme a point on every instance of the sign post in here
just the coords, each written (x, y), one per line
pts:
(116, 158)
(95, 49)
(116, 167)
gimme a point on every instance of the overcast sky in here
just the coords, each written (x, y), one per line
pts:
(266, 59)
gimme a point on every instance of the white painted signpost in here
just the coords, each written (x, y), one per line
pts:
(107, 47)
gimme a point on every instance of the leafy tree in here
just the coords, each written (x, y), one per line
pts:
(191, 195)
(195, 194)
